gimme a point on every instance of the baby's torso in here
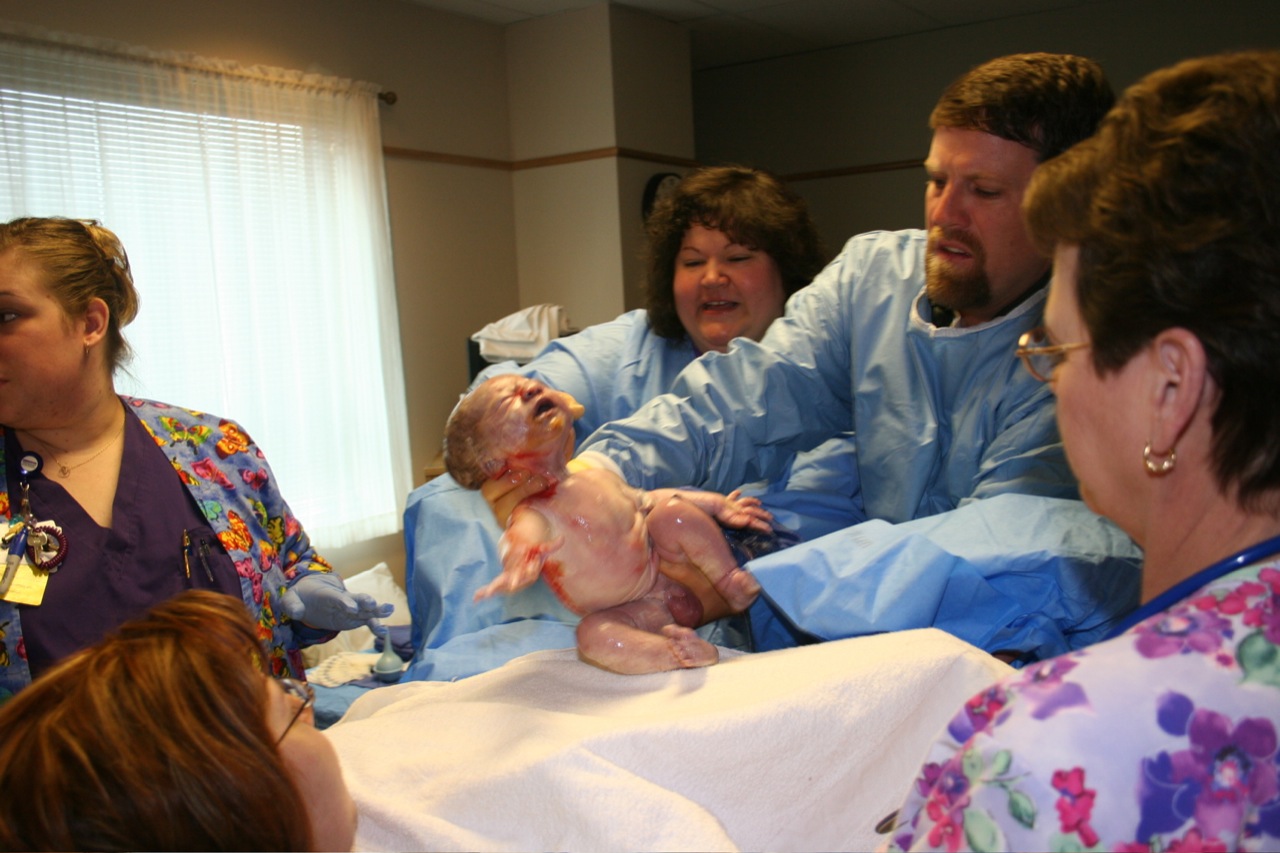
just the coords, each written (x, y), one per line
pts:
(606, 558)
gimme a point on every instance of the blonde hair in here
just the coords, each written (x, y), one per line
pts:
(156, 738)
(82, 261)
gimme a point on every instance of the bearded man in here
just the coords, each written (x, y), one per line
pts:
(965, 515)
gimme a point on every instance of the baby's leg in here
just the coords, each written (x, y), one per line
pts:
(641, 636)
(681, 532)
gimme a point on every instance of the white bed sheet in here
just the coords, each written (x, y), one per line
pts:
(802, 749)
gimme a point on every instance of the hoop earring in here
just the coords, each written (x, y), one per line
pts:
(1154, 464)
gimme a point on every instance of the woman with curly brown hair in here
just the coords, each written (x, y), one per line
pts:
(726, 249)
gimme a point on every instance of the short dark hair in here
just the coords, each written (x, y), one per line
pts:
(1174, 205)
(1045, 101)
(753, 207)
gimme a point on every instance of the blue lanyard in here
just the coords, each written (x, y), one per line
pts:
(1185, 587)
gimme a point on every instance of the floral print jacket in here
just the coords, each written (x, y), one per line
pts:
(228, 476)
(1161, 739)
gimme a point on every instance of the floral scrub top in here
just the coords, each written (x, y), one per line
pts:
(232, 487)
(1161, 739)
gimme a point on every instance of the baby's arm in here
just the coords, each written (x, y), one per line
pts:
(731, 510)
(524, 547)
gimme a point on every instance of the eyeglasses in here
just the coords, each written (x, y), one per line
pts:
(300, 690)
(1041, 357)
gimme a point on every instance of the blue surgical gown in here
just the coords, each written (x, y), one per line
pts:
(451, 538)
(943, 419)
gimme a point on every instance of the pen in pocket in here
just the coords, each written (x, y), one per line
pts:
(202, 551)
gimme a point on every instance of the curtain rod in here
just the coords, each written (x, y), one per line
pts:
(110, 49)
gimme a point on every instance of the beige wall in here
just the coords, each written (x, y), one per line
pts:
(568, 239)
(652, 91)
(560, 83)
(599, 79)
(869, 103)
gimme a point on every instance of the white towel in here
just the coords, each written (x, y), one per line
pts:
(522, 335)
(802, 749)
(339, 668)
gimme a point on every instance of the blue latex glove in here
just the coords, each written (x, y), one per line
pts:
(320, 600)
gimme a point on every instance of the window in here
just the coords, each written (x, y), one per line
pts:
(252, 203)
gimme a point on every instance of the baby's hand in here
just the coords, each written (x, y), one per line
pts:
(738, 511)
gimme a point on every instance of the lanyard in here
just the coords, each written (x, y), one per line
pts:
(1185, 587)
(15, 539)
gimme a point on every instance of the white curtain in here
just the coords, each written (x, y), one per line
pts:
(252, 203)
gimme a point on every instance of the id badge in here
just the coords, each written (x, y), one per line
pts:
(28, 586)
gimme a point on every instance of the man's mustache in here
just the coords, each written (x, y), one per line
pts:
(938, 234)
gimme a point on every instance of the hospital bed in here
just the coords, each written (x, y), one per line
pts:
(802, 749)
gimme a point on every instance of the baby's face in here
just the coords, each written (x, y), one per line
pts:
(526, 420)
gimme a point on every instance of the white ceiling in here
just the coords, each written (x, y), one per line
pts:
(725, 32)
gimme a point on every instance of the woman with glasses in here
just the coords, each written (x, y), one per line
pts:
(112, 504)
(170, 734)
(1162, 346)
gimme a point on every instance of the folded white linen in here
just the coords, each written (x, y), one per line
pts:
(801, 749)
(522, 335)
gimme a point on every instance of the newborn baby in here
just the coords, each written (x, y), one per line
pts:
(599, 543)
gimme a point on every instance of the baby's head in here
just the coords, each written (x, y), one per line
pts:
(509, 421)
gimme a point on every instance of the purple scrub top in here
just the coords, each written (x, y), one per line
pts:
(112, 575)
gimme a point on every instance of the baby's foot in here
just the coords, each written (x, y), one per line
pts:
(739, 589)
(688, 648)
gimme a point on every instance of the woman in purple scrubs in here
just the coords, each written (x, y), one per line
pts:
(110, 505)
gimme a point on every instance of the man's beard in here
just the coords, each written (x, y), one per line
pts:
(949, 288)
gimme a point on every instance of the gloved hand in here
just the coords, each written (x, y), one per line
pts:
(320, 600)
